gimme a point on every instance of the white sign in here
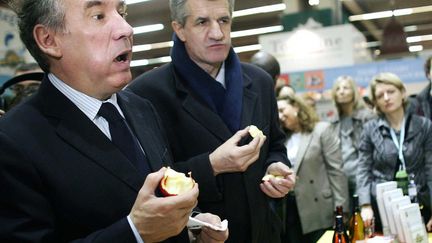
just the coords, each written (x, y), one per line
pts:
(311, 49)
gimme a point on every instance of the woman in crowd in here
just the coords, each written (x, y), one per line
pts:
(394, 142)
(348, 123)
(321, 184)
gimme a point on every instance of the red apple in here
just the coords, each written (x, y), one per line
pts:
(174, 183)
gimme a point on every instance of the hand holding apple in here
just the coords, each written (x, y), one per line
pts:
(278, 181)
(231, 156)
(158, 218)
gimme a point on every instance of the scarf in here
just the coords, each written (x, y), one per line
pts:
(226, 102)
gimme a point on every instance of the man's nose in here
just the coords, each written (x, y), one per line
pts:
(122, 28)
(216, 31)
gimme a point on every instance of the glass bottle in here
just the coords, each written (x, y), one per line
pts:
(356, 225)
(339, 235)
(412, 189)
(339, 211)
(412, 193)
(401, 179)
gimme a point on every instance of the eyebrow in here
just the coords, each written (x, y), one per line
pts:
(92, 3)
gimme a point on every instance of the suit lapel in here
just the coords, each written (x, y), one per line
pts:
(139, 119)
(202, 113)
(249, 103)
(305, 140)
(76, 129)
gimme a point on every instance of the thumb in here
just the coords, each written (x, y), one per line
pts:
(152, 181)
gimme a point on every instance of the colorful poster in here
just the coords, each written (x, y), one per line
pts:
(12, 50)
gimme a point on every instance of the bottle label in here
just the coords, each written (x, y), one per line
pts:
(412, 191)
(402, 181)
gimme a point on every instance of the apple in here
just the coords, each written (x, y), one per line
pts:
(255, 131)
(270, 176)
(174, 183)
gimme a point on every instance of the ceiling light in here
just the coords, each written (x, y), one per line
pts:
(313, 2)
(389, 13)
(145, 62)
(247, 48)
(147, 28)
(368, 16)
(257, 31)
(413, 39)
(148, 47)
(405, 11)
(128, 2)
(259, 10)
(410, 28)
(416, 48)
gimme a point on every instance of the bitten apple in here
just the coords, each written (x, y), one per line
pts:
(270, 176)
(174, 183)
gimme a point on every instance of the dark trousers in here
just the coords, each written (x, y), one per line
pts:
(293, 229)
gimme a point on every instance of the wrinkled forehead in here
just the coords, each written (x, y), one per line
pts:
(206, 8)
(88, 4)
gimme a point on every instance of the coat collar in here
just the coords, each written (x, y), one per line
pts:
(76, 129)
(209, 119)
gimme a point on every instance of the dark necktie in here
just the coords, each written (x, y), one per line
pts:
(123, 138)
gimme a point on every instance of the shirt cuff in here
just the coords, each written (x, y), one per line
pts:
(135, 231)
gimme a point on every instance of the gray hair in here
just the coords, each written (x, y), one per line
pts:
(50, 13)
(179, 12)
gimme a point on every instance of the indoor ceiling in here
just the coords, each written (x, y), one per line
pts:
(157, 11)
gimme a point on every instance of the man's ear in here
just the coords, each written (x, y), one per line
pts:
(179, 30)
(46, 40)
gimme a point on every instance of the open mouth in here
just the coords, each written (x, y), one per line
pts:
(122, 57)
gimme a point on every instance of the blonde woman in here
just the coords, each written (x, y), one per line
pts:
(394, 142)
(348, 123)
(321, 184)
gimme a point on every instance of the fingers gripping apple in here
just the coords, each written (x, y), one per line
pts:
(174, 183)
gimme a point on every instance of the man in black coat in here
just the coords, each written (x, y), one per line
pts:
(63, 177)
(207, 99)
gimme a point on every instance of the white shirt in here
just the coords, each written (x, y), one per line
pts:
(90, 107)
(220, 77)
(292, 146)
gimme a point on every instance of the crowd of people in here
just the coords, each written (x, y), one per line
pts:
(84, 146)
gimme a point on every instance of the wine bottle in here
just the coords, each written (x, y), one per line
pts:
(339, 211)
(412, 189)
(339, 235)
(356, 225)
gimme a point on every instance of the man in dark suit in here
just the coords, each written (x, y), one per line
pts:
(207, 99)
(61, 177)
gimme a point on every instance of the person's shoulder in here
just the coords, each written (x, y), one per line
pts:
(322, 126)
(156, 74)
(257, 75)
(364, 114)
(21, 116)
(416, 119)
(134, 98)
(254, 71)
